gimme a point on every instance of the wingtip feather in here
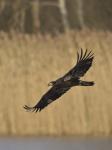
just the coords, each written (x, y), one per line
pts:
(31, 109)
(84, 56)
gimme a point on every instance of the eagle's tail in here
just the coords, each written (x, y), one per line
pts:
(86, 83)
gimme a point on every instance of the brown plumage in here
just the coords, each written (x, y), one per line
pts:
(63, 84)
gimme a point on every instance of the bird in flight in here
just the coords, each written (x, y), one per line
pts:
(66, 82)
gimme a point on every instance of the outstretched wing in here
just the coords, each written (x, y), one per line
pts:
(84, 62)
(54, 93)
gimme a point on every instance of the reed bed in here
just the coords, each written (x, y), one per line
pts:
(29, 62)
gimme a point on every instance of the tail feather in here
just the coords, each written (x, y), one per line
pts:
(86, 83)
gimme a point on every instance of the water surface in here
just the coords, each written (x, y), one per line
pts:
(55, 143)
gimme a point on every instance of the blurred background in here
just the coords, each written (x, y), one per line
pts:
(38, 43)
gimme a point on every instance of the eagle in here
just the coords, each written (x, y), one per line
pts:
(66, 82)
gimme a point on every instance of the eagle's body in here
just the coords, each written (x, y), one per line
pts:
(69, 80)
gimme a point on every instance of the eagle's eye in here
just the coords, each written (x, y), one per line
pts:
(51, 83)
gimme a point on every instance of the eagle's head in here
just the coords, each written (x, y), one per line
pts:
(51, 83)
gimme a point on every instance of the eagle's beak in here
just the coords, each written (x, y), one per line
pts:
(50, 84)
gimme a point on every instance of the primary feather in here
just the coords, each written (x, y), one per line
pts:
(84, 62)
(63, 84)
